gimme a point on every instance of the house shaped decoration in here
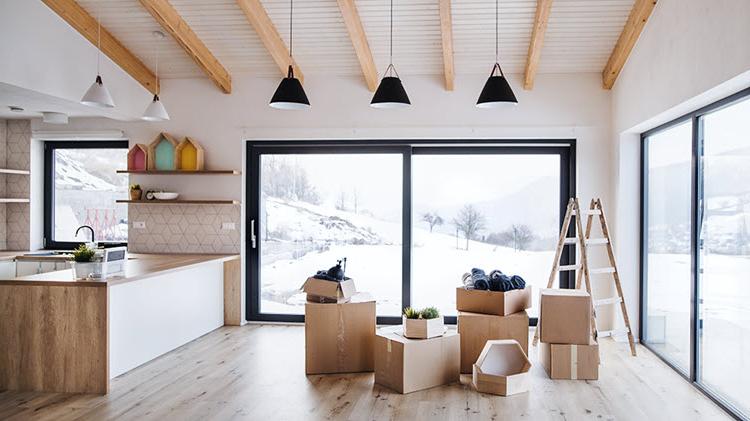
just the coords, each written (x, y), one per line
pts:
(161, 153)
(188, 155)
(138, 157)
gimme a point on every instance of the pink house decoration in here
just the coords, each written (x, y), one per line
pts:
(138, 157)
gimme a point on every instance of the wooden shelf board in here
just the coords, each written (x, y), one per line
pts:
(181, 172)
(180, 202)
(12, 200)
(12, 171)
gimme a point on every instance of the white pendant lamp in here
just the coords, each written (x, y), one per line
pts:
(98, 95)
(390, 92)
(497, 91)
(155, 110)
(290, 95)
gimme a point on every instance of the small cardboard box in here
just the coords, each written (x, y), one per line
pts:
(423, 328)
(502, 369)
(565, 316)
(493, 302)
(339, 338)
(570, 362)
(476, 329)
(322, 291)
(407, 365)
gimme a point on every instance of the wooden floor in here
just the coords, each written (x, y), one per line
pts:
(256, 372)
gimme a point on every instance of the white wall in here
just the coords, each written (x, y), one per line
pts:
(691, 53)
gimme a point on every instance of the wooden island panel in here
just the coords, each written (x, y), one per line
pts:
(54, 338)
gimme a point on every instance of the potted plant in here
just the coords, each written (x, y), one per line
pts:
(135, 192)
(85, 264)
(422, 324)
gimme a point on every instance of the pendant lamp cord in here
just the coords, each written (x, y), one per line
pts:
(98, 35)
(156, 54)
(291, 8)
(497, 36)
(390, 47)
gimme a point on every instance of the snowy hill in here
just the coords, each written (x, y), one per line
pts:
(70, 174)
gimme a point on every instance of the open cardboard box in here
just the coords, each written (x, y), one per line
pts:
(502, 369)
(476, 329)
(570, 362)
(493, 302)
(423, 328)
(322, 291)
(564, 316)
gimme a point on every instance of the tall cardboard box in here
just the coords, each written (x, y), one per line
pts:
(339, 338)
(571, 362)
(407, 365)
(565, 316)
(493, 302)
(476, 329)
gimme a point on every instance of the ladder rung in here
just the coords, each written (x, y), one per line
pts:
(589, 242)
(571, 240)
(569, 267)
(616, 332)
(589, 212)
(601, 270)
(608, 301)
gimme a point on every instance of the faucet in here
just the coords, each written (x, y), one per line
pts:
(93, 240)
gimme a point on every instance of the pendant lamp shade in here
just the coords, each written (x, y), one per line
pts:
(290, 95)
(497, 91)
(390, 94)
(98, 95)
(155, 111)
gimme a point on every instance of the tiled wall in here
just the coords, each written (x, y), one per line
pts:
(15, 144)
(184, 229)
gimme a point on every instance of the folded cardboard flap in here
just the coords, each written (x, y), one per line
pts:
(323, 291)
(501, 369)
(476, 329)
(498, 303)
(565, 316)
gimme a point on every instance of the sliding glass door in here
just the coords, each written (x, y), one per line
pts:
(410, 218)
(696, 248)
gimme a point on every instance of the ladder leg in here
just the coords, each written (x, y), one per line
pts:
(589, 220)
(616, 276)
(585, 264)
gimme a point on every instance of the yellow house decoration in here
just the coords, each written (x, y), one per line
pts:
(161, 153)
(188, 155)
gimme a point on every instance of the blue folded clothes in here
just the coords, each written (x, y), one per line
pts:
(480, 279)
(502, 282)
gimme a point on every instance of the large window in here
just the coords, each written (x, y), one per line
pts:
(696, 248)
(81, 187)
(395, 210)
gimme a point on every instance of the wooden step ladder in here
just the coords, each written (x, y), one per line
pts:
(582, 243)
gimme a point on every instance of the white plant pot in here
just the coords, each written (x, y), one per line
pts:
(423, 328)
(86, 270)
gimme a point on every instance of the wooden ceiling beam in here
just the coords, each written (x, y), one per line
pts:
(446, 32)
(630, 33)
(543, 10)
(258, 17)
(78, 18)
(359, 42)
(166, 15)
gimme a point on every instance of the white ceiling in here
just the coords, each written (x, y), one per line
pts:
(580, 36)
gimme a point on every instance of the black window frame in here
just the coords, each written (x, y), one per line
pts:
(696, 205)
(50, 146)
(565, 148)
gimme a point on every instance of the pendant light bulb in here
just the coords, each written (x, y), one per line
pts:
(98, 95)
(390, 93)
(155, 110)
(497, 91)
(290, 95)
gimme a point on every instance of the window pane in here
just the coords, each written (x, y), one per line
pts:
(668, 235)
(725, 255)
(516, 200)
(86, 187)
(316, 209)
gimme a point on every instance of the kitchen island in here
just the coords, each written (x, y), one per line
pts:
(59, 334)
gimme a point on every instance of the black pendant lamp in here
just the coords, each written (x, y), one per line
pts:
(390, 92)
(290, 95)
(497, 91)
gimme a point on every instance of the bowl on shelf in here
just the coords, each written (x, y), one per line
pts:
(164, 195)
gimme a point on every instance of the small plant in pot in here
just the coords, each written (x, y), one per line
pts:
(135, 192)
(423, 324)
(85, 263)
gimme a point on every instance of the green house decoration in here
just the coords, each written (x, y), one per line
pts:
(161, 153)
(188, 156)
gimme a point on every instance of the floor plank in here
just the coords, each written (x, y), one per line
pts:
(256, 372)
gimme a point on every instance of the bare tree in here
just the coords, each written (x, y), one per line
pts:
(518, 236)
(432, 219)
(341, 202)
(469, 222)
(355, 199)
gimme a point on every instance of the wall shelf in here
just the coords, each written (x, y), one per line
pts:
(180, 202)
(181, 172)
(12, 171)
(10, 200)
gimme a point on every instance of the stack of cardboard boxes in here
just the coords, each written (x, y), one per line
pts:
(489, 315)
(568, 349)
(339, 328)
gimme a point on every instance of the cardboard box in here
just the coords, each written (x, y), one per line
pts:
(572, 362)
(476, 329)
(565, 316)
(339, 338)
(502, 369)
(322, 291)
(423, 328)
(493, 302)
(407, 365)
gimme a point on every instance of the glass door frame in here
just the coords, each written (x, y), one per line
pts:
(565, 148)
(696, 219)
